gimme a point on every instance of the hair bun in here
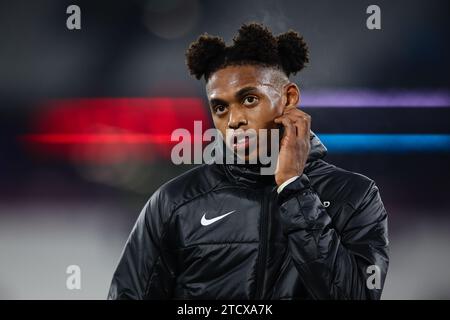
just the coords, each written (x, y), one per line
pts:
(293, 52)
(204, 53)
(254, 42)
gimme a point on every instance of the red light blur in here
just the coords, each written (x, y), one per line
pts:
(110, 130)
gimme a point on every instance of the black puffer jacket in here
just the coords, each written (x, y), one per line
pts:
(318, 239)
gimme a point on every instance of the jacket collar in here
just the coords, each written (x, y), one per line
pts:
(249, 175)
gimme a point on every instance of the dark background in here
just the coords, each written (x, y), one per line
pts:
(74, 202)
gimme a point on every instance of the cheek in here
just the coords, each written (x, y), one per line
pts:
(266, 114)
(278, 107)
(220, 124)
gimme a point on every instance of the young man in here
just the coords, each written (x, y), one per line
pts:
(225, 231)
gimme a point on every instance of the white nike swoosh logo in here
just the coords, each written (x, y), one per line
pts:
(207, 222)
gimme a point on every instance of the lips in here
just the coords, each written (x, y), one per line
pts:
(241, 140)
(242, 143)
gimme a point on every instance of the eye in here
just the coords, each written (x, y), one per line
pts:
(250, 100)
(220, 109)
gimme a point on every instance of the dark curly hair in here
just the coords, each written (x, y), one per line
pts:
(254, 44)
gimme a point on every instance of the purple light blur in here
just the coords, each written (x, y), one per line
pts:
(372, 98)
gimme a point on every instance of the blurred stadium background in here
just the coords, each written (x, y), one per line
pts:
(84, 119)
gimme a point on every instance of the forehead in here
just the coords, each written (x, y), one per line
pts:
(233, 78)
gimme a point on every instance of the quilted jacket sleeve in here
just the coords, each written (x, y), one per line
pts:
(145, 269)
(350, 263)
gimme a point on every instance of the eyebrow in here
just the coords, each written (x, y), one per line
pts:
(216, 101)
(241, 93)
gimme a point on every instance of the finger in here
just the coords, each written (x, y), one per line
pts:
(304, 125)
(290, 129)
(302, 122)
(295, 111)
(287, 124)
(289, 108)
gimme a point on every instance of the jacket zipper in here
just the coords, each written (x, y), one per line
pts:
(262, 254)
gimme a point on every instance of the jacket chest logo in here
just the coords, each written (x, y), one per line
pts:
(207, 222)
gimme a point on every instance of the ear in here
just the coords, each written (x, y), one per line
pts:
(291, 95)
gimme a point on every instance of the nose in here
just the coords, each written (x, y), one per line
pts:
(237, 118)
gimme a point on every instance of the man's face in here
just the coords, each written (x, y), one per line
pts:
(241, 98)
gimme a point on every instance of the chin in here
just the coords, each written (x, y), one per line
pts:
(251, 158)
